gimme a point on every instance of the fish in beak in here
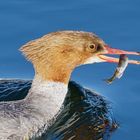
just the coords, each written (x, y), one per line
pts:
(112, 51)
(122, 65)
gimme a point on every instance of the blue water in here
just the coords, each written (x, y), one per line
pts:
(116, 22)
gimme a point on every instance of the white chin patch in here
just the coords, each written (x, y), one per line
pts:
(93, 59)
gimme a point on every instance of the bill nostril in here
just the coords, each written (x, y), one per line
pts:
(100, 48)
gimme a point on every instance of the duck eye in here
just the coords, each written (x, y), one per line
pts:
(92, 47)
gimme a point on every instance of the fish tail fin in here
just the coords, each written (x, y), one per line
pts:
(108, 81)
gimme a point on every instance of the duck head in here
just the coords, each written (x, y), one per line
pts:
(56, 55)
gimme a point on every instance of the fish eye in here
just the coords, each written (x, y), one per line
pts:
(92, 47)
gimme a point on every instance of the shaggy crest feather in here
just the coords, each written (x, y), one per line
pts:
(37, 48)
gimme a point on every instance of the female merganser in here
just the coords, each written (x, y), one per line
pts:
(54, 57)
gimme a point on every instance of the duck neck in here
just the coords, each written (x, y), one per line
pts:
(47, 96)
(43, 87)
